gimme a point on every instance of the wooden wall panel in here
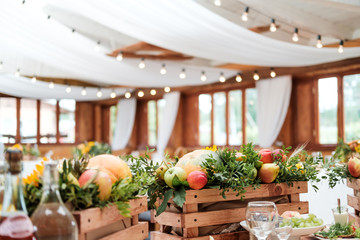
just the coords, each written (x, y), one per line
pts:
(97, 123)
(105, 124)
(142, 126)
(84, 127)
(191, 121)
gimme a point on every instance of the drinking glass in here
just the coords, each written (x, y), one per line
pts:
(261, 217)
(282, 231)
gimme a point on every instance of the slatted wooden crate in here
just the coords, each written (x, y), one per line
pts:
(108, 224)
(190, 219)
(354, 200)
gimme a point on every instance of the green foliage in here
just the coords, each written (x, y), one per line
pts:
(336, 171)
(92, 149)
(337, 230)
(342, 151)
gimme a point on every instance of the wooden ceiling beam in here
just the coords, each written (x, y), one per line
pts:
(347, 43)
(262, 29)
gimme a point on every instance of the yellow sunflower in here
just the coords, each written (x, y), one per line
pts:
(34, 177)
(213, 148)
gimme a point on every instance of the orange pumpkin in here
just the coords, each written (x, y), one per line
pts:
(112, 165)
(192, 161)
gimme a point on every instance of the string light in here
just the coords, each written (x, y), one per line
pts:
(272, 72)
(341, 47)
(141, 93)
(217, 2)
(113, 94)
(182, 75)
(167, 89)
(99, 93)
(17, 73)
(245, 14)
(127, 94)
(256, 75)
(51, 85)
(1, 65)
(238, 77)
(203, 76)
(153, 92)
(163, 69)
(222, 77)
(83, 91)
(295, 36)
(120, 56)
(273, 25)
(68, 89)
(142, 63)
(33, 79)
(97, 46)
(319, 43)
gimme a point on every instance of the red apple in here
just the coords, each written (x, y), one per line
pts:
(266, 156)
(100, 178)
(197, 180)
(354, 167)
(279, 154)
(268, 172)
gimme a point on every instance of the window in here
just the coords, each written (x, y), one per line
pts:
(8, 119)
(28, 121)
(222, 116)
(155, 113)
(67, 121)
(48, 121)
(352, 106)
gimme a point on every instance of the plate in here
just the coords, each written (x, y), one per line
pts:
(296, 232)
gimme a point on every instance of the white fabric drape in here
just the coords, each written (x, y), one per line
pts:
(126, 110)
(2, 148)
(272, 106)
(168, 120)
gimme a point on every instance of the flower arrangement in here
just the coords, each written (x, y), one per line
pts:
(92, 148)
(345, 150)
(27, 149)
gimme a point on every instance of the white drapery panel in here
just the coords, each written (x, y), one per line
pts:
(272, 106)
(2, 148)
(125, 118)
(195, 30)
(168, 121)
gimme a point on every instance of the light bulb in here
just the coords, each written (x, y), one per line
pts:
(341, 47)
(319, 43)
(142, 63)
(113, 94)
(141, 94)
(99, 93)
(245, 14)
(222, 77)
(33, 79)
(217, 2)
(163, 69)
(182, 75)
(72, 33)
(167, 89)
(17, 73)
(203, 76)
(120, 56)
(153, 92)
(238, 77)
(272, 73)
(83, 91)
(127, 95)
(1, 65)
(97, 46)
(295, 36)
(51, 84)
(68, 89)
(256, 76)
(273, 26)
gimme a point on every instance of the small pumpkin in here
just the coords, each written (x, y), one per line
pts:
(192, 161)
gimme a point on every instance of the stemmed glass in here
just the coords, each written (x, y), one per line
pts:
(261, 217)
(282, 231)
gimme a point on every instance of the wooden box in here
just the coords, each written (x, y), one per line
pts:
(354, 200)
(109, 224)
(190, 219)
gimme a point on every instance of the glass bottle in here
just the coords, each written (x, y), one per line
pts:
(51, 219)
(15, 223)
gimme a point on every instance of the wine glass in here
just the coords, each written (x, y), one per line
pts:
(261, 217)
(282, 230)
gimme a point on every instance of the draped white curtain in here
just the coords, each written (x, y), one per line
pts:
(126, 109)
(1, 147)
(273, 102)
(167, 121)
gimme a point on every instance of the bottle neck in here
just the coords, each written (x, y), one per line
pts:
(51, 192)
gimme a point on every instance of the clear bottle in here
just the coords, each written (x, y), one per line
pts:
(51, 219)
(15, 223)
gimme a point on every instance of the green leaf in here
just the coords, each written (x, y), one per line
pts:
(167, 195)
(179, 196)
(176, 182)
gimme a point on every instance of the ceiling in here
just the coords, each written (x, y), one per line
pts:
(56, 39)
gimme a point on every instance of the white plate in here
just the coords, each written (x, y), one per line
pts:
(296, 232)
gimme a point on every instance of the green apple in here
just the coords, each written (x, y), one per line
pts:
(160, 172)
(174, 176)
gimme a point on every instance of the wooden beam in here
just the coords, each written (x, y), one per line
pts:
(347, 43)
(262, 29)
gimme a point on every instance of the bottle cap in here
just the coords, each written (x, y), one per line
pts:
(14, 157)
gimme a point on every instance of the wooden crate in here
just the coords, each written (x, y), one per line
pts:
(108, 224)
(354, 200)
(190, 219)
